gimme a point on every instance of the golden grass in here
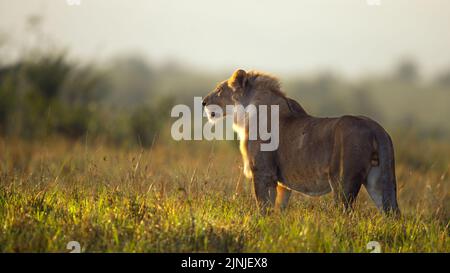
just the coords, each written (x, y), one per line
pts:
(191, 196)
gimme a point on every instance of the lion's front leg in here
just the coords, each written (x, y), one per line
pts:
(265, 191)
(263, 172)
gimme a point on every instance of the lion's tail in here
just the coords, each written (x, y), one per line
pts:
(381, 182)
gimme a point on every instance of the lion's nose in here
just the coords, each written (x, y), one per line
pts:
(203, 103)
(213, 114)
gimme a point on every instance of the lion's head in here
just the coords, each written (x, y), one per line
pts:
(241, 88)
(225, 93)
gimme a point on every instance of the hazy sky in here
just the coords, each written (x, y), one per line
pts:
(278, 36)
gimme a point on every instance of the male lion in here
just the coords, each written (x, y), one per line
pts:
(315, 155)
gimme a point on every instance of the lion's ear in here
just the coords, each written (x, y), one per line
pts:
(238, 79)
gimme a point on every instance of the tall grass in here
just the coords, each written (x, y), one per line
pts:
(182, 197)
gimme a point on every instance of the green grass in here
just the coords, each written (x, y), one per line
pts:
(184, 197)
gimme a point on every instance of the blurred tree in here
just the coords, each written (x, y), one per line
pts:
(147, 121)
(319, 94)
(407, 71)
(85, 86)
(48, 73)
(131, 81)
(363, 103)
(7, 99)
(443, 79)
(326, 82)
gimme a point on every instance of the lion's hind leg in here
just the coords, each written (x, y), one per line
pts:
(374, 188)
(345, 191)
(346, 184)
(282, 199)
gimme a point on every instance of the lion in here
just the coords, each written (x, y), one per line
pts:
(315, 155)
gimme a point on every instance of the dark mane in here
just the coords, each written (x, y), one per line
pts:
(260, 80)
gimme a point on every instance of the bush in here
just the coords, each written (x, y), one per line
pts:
(146, 121)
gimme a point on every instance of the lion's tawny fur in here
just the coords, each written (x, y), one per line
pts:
(315, 155)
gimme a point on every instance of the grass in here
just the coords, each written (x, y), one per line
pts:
(184, 197)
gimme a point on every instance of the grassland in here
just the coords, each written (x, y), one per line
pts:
(183, 197)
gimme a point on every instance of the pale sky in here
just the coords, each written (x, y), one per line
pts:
(298, 36)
